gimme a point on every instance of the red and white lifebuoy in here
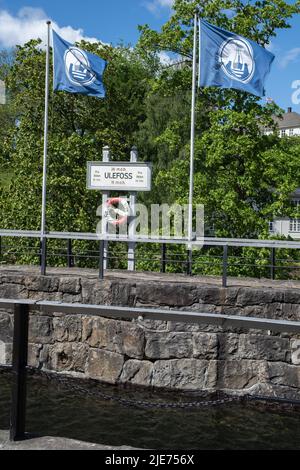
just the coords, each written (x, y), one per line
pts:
(117, 210)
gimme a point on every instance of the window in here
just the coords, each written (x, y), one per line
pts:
(295, 225)
(291, 132)
(271, 226)
(282, 133)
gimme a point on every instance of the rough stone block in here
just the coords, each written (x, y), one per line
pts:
(185, 374)
(5, 353)
(40, 329)
(122, 293)
(14, 278)
(42, 283)
(72, 298)
(194, 327)
(70, 285)
(284, 374)
(153, 325)
(137, 372)
(231, 294)
(162, 293)
(241, 375)
(13, 291)
(295, 348)
(205, 345)
(6, 326)
(210, 295)
(116, 336)
(95, 292)
(251, 296)
(104, 365)
(168, 345)
(291, 311)
(132, 340)
(100, 332)
(34, 354)
(50, 296)
(269, 348)
(291, 296)
(68, 357)
(67, 328)
(228, 345)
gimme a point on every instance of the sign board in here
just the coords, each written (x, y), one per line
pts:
(119, 176)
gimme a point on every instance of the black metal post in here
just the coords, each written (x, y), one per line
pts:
(70, 255)
(44, 256)
(225, 265)
(163, 262)
(189, 263)
(20, 351)
(101, 260)
(273, 263)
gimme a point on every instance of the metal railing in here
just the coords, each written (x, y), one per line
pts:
(22, 308)
(184, 262)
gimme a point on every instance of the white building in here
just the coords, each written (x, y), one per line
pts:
(2, 92)
(289, 126)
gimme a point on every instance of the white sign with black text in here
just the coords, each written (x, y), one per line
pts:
(120, 176)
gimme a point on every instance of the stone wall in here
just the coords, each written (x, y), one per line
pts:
(156, 353)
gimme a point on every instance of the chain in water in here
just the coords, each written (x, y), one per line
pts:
(126, 401)
(68, 383)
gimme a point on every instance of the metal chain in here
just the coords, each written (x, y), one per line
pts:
(126, 401)
(68, 382)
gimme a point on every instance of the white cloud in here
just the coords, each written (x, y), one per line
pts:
(155, 5)
(30, 23)
(165, 58)
(290, 56)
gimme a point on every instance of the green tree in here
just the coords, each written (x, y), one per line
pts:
(79, 127)
(237, 168)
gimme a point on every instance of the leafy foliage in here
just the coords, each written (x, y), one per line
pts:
(239, 173)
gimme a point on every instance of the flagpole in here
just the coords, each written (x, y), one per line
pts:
(44, 189)
(192, 153)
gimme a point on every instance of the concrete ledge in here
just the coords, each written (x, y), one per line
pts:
(52, 443)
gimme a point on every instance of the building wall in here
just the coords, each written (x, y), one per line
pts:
(159, 353)
(282, 227)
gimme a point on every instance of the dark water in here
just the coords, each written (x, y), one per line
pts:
(55, 410)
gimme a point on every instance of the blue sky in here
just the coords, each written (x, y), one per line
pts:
(113, 21)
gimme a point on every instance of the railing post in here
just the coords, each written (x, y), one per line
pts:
(225, 265)
(44, 256)
(105, 197)
(20, 351)
(273, 263)
(101, 259)
(131, 263)
(163, 261)
(70, 255)
(189, 263)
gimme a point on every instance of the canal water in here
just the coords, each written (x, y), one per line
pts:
(55, 409)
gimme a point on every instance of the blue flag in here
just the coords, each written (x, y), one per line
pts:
(75, 70)
(228, 60)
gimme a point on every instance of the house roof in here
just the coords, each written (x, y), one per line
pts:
(288, 120)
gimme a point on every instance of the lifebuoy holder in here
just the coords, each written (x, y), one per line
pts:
(117, 210)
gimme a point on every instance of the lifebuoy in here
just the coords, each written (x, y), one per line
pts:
(117, 210)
